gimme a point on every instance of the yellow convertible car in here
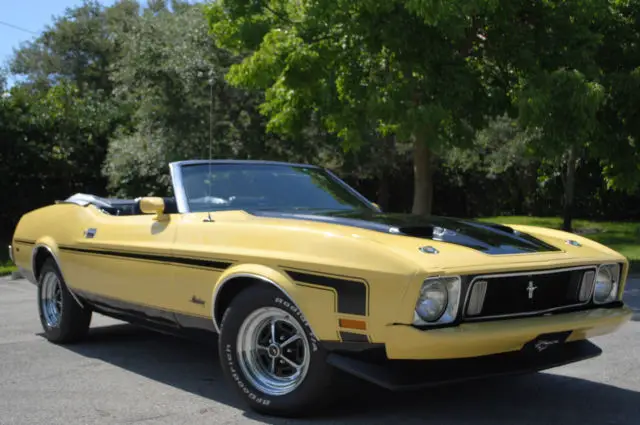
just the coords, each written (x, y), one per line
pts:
(304, 279)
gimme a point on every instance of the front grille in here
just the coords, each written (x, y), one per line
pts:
(530, 293)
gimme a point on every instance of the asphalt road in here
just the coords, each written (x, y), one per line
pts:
(125, 375)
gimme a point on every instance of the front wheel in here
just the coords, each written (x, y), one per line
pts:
(270, 354)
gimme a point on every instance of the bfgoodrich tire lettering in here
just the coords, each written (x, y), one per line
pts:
(250, 373)
(63, 320)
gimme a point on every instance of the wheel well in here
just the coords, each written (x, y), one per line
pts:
(230, 289)
(41, 256)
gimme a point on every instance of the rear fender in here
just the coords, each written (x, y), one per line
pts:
(48, 245)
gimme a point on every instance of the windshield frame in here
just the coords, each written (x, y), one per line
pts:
(182, 202)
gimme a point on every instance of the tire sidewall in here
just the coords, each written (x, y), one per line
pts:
(318, 374)
(51, 332)
(74, 319)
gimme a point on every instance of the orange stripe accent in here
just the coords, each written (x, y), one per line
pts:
(353, 324)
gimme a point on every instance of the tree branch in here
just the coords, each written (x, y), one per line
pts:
(472, 35)
(278, 15)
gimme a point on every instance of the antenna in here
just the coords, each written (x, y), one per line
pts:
(209, 219)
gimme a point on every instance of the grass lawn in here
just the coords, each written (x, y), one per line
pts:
(6, 267)
(623, 237)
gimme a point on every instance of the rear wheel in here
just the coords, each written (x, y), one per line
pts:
(271, 356)
(62, 318)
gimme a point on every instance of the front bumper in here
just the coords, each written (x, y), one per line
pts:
(408, 375)
(499, 336)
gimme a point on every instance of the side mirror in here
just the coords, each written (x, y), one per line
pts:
(152, 205)
(377, 206)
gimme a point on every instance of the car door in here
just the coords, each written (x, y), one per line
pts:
(199, 264)
(124, 262)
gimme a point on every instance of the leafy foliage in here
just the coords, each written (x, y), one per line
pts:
(349, 62)
(172, 78)
(80, 46)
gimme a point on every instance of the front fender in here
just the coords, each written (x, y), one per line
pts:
(317, 305)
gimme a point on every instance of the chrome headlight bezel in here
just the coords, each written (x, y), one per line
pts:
(453, 285)
(613, 270)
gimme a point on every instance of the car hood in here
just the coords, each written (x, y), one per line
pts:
(491, 239)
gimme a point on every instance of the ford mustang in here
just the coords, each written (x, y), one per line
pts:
(304, 280)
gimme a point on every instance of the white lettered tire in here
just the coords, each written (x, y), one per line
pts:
(270, 356)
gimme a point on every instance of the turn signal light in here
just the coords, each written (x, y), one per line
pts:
(353, 324)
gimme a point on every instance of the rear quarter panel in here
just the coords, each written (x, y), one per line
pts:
(49, 226)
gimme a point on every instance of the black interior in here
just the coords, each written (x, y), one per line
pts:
(125, 207)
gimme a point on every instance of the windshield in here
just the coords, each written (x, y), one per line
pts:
(265, 186)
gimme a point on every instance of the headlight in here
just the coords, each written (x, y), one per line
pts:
(606, 288)
(438, 301)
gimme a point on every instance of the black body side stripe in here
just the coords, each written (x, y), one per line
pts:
(351, 337)
(352, 294)
(198, 262)
(24, 241)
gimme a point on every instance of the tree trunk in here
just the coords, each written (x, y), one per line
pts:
(569, 189)
(386, 171)
(422, 178)
(384, 191)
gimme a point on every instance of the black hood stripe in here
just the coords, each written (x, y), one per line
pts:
(489, 238)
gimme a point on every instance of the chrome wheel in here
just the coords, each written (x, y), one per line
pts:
(273, 351)
(51, 299)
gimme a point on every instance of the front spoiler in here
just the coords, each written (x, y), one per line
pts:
(400, 375)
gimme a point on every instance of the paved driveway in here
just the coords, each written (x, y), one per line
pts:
(125, 375)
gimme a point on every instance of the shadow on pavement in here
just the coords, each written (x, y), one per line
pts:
(541, 398)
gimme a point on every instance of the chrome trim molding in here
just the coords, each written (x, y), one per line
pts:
(529, 313)
(587, 285)
(188, 162)
(37, 248)
(428, 249)
(252, 276)
(476, 297)
(352, 191)
(178, 188)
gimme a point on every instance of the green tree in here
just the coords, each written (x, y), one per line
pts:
(503, 150)
(79, 46)
(409, 69)
(171, 77)
(618, 145)
(51, 145)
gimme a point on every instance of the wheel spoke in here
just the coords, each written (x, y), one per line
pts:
(292, 364)
(262, 347)
(290, 340)
(273, 332)
(273, 365)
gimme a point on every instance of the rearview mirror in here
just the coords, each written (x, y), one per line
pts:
(152, 205)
